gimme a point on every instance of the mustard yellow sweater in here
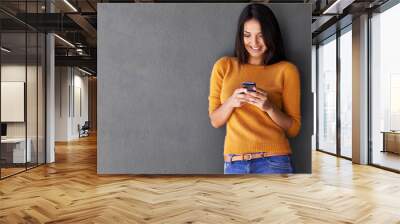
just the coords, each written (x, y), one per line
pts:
(250, 129)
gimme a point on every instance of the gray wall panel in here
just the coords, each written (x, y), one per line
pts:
(154, 64)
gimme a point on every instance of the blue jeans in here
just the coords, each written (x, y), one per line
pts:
(267, 165)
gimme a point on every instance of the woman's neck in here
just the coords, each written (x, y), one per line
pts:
(255, 61)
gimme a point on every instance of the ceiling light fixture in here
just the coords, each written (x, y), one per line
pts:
(79, 51)
(70, 5)
(5, 49)
(337, 7)
(326, 11)
(64, 40)
(86, 72)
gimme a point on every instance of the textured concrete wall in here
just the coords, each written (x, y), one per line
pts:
(154, 64)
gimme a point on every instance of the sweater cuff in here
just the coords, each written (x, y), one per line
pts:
(294, 129)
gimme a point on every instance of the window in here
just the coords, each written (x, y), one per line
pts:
(346, 93)
(326, 92)
(385, 88)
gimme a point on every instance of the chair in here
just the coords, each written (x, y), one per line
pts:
(84, 130)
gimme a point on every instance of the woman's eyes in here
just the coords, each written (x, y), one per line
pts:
(247, 35)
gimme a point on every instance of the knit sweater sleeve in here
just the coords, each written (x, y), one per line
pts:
(291, 98)
(217, 76)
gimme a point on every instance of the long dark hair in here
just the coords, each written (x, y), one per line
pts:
(270, 31)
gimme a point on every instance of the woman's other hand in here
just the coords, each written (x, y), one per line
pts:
(259, 98)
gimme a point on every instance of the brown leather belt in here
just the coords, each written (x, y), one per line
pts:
(246, 156)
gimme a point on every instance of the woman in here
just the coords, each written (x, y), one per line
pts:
(259, 121)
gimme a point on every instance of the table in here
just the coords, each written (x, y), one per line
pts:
(391, 141)
(16, 147)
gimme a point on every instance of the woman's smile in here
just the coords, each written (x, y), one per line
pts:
(255, 49)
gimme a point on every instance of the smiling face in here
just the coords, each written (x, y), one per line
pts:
(253, 41)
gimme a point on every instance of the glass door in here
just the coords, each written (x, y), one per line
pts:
(14, 154)
(22, 77)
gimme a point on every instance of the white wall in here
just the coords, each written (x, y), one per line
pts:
(62, 81)
(16, 73)
(79, 105)
(12, 73)
(70, 83)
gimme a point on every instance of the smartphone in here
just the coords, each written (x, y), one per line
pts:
(250, 86)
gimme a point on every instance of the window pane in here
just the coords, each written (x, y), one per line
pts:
(41, 98)
(345, 94)
(327, 97)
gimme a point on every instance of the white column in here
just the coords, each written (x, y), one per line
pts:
(360, 90)
(314, 92)
(50, 93)
(50, 110)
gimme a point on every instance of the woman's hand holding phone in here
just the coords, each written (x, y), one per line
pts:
(238, 98)
(257, 97)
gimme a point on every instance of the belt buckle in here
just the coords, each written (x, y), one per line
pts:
(249, 158)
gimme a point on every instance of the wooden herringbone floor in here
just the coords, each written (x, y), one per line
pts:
(70, 191)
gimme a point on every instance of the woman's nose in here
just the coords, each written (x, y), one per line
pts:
(254, 41)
